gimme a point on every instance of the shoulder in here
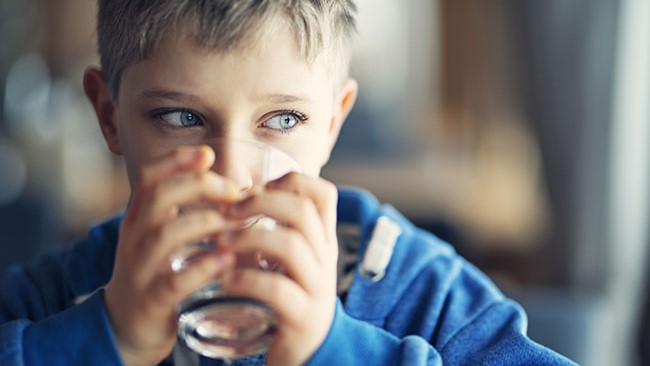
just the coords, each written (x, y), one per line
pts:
(56, 278)
(413, 252)
(425, 280)
(420, 253)
(424, 265)
(429, 291)
(89, 263)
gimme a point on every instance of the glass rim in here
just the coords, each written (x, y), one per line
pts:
(261, 145)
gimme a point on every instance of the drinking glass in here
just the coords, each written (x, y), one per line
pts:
(212, 322)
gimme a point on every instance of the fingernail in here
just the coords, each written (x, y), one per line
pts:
(222, 189)
(232, 190)
(193, 155)
(202, 152)
(228, 189)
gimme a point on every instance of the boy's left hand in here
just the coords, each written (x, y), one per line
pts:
(304, 298)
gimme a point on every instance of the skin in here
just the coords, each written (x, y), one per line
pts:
(235, 95)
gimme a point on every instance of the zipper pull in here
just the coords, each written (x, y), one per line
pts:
(380, 249)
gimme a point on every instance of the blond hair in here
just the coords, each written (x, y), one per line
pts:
(129, 30)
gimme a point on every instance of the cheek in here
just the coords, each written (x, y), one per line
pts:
(315, 151)
(138, 146)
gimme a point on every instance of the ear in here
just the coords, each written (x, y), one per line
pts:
(343, 105)
(99, 95)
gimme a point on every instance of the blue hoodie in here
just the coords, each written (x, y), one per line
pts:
(429, 306)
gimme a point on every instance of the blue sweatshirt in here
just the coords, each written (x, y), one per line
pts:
(430, 307)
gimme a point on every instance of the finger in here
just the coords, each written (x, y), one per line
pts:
(281, 293)
(183, 191)
(190, 227)
(182, 159)
(162, 206)
(322, 192)
(281, 244)
(172, 287)
(297, 212)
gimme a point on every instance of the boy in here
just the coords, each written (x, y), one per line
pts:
(175, 73)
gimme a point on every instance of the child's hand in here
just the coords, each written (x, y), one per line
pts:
(305, 244)
(143, 291)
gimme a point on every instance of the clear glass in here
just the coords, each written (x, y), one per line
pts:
(212, 322)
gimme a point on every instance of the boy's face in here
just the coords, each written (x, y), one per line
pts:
(182, 94)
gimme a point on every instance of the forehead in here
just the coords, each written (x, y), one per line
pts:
(271, 60)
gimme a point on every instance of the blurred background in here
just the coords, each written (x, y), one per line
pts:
(515, 129)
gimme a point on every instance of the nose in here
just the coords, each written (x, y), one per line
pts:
(238, 161)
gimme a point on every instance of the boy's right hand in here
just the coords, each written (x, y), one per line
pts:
(142, 294)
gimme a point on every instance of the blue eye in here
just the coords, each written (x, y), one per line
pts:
(180, 118)
(284, 121)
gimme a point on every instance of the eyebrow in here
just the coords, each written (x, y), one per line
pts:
(275, 98)
(169, 95)
(279, 98)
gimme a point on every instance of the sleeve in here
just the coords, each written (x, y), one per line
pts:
(431, 308)
(40, 326)
(80, 335)
(493, 338)
(497, 336)
(355, 342)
